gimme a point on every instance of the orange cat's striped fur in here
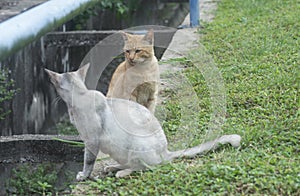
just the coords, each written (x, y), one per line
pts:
(137, 78)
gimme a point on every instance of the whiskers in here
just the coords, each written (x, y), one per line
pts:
(55, 101)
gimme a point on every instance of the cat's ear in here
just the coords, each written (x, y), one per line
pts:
(149, 37)
(83, 71)
(53, 75)
(49, 72)
(124, 35)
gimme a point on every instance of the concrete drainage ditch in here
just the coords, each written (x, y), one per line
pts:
(31, 153)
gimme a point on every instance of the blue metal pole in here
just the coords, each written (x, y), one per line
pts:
(194, 13)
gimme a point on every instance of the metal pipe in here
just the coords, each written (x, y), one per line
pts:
(19, 31)
(194, 13)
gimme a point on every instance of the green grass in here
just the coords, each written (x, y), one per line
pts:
(30, 179)
(65, 127)
(256, 46)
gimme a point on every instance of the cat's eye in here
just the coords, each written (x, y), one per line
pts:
(137, 51)
(127, 51)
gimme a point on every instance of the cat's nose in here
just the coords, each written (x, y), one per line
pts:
(131, 55)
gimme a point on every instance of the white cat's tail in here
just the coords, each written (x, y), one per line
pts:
(234, 140)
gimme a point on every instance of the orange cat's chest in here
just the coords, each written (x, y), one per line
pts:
(127, 78)
(133, 77)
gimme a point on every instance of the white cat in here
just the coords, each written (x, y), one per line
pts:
(125, 130)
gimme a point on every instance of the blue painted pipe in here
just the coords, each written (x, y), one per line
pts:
(194, 13)
(17, 32)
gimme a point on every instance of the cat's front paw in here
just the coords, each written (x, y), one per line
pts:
(81, 177)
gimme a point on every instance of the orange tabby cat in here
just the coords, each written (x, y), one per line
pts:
(137, 77)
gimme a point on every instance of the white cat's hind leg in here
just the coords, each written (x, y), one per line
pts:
(113, 168)
(123, 173)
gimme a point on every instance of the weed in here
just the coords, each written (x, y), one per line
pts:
(7, 91)
(29, 180)
(65, 127)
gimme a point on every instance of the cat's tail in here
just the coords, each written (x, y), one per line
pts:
(234, 140)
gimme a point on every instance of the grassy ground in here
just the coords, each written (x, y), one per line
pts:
(255, 44)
